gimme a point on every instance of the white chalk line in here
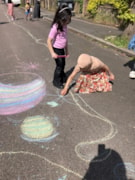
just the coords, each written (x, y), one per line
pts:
(27, 31)
(110, 135)
(31, 35)
(43, 158)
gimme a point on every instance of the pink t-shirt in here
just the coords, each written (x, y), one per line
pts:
(59, 37)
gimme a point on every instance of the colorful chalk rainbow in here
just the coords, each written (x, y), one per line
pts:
(19, 98)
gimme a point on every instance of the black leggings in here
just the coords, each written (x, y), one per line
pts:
(133, 68)
(59, 75)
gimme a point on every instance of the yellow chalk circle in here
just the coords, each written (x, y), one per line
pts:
(37, 127)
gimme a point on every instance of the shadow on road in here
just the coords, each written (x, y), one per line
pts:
(69, 72)
(67, 75)
(131, 64)
(107, 165)
(4, 22)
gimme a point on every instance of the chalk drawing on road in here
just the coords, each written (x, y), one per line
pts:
(28, 66)
(20, 92)
(39, 128)
(37, 41)
(23, 155)
(63, 178)
(54, 100)
(121, 167)
(83, 148)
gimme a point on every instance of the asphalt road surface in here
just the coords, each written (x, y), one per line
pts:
(45, 136)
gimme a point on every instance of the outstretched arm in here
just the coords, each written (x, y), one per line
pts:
(111, 75)
(69, 80)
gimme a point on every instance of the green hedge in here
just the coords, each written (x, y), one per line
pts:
(121, 6)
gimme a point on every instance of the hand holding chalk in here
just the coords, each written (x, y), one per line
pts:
(63, 56)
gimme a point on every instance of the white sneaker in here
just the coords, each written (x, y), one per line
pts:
(132, 74)
(12, 19)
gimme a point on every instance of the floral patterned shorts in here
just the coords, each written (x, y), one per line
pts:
(89, 83)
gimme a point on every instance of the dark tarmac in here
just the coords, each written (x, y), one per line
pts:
(45, 136)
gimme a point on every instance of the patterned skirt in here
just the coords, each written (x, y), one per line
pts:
(89, 83)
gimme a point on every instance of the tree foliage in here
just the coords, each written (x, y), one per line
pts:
(122, 8)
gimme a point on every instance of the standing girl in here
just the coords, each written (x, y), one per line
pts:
(58, 43)
(11, 10)
(27, 10)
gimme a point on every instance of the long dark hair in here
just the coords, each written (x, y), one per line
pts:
(10, 1)
(62, 14)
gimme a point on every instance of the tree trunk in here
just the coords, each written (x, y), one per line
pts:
(84, 10)
(130, 30)
(54, 4)
(47, 4)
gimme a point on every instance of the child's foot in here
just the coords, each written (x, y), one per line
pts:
(12, 19)
(132, 74)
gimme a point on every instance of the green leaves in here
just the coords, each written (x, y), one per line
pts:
(121, 7)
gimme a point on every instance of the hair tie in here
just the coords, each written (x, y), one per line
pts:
(63, 9)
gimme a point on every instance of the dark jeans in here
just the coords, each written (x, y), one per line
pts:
(59, 75)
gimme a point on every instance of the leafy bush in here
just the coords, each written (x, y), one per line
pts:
(121, 6)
